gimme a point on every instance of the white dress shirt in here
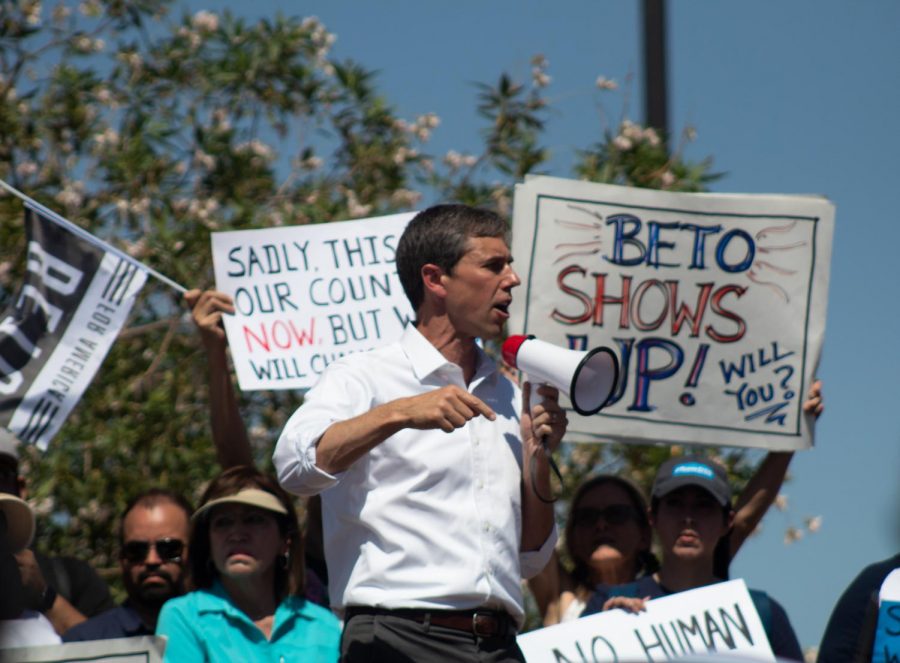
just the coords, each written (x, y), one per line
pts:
(426, 519)
(31, 629)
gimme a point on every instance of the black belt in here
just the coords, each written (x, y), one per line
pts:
(480, 622)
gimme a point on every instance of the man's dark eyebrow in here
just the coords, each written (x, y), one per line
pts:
(505, 258)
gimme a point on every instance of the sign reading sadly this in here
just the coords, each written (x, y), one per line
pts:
(306, 295)
(714, 304)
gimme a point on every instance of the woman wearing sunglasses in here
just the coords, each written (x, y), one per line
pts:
(608, 535)
(246, 559)
(607, 538)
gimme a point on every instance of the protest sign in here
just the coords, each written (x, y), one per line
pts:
(717, 618)
(306, 295)
(886, 648)
(714, 304)
(144, 649)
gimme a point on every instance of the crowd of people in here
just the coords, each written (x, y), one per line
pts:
(426, 474)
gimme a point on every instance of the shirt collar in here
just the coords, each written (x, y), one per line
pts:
(216, 599)
(426, 359)
(130, 619)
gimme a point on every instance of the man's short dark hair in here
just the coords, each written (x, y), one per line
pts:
(438, 236)
(151, 498)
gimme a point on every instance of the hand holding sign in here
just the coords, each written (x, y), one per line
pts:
(814, 403)
(207, 308)
(631, 604)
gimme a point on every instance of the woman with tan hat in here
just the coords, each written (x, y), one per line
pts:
(246, 560)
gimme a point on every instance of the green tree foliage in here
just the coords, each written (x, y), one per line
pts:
(153, 131)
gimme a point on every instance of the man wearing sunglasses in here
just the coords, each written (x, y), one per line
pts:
(153, 555)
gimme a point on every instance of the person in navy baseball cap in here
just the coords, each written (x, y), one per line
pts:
(690, 512)
(680, 471)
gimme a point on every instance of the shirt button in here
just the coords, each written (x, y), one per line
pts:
(486, 527)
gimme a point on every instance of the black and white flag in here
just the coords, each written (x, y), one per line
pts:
(75, 299)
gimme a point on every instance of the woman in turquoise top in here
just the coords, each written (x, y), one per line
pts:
(246, 560)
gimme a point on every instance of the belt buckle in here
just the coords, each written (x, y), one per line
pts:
(489, 620)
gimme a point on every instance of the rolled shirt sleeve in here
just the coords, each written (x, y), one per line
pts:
(533, 562)
(338, 396)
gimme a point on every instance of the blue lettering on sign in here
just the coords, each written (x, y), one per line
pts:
(887, 634)
(695, 469)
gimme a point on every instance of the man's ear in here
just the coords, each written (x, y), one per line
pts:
(433, 280)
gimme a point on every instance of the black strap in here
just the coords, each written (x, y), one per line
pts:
(553, 466)
(61, 577)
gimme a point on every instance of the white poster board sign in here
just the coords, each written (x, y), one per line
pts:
(144, 649)
(306, 295)
(714, 303)
(718, 618)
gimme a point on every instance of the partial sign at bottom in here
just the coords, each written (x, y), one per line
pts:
(717, 618)
(145, 649)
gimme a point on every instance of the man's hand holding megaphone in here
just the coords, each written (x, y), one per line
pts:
(543, 424)
(543, 421)
(587, 378)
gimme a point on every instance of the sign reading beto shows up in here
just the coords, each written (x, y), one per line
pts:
(306, 295)
(716, 618)
(714, 304)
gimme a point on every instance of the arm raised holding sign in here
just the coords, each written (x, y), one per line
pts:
(228, 430)
(760, 492)
(608, 535)
(691, 513)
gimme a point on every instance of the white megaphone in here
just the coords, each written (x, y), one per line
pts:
(587, 378)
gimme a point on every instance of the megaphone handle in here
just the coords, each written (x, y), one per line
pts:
(533, 399)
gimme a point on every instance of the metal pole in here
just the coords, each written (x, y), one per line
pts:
(88, 237)
(655, 79)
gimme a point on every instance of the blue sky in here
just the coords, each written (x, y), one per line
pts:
(798, 97)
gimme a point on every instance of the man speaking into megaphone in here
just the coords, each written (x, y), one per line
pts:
(418, 449)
